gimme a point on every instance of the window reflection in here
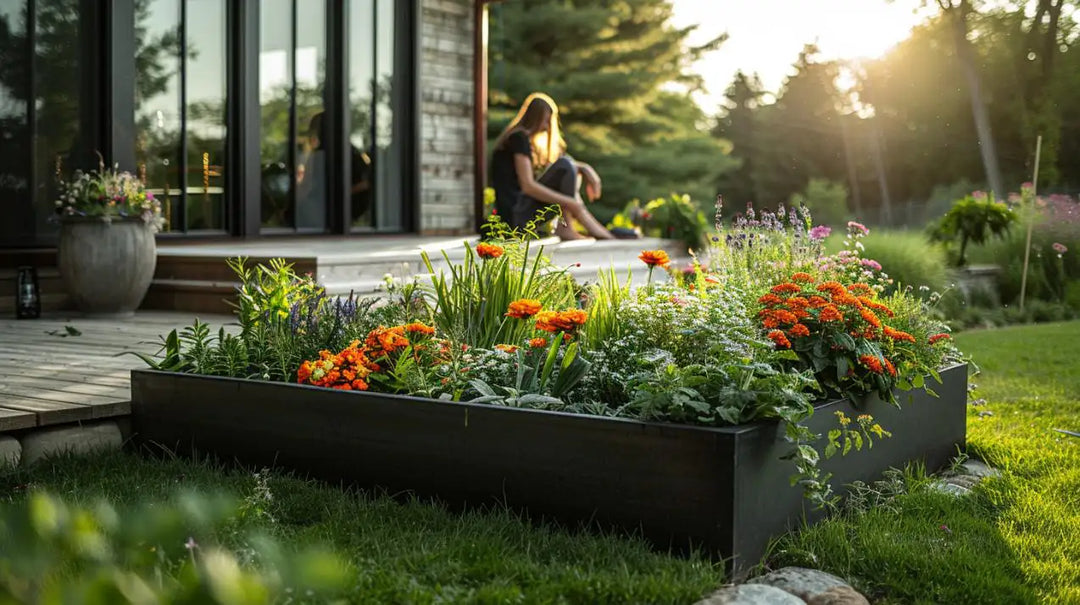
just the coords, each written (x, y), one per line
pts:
(57, 100)
(205, 90)
(158, 114)
(14, 123)
(275, 99)
(361, 110)
(310, 77)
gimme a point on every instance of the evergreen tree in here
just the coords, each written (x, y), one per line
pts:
(619, 71)
(737, 125)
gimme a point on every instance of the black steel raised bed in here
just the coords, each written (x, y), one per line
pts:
(723, 489)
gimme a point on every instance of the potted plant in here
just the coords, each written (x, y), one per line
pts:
(107, 251)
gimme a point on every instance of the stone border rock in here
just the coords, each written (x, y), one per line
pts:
(789, 585)
(960, 481)
(35, 445)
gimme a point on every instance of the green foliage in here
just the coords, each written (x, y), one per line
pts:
(469, 304)
(973, 220)
(905, 543)
(57, 552)
(909, 259)
(675, 217)
(398, 550)
(542, 377)
(827, 201)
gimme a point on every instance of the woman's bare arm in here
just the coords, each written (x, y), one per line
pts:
(533, 189)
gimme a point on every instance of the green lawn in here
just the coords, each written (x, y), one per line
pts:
(1017, 538)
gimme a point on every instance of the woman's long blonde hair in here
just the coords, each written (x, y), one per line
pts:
(547, 145)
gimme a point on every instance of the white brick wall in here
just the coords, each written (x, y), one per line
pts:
(446, 127)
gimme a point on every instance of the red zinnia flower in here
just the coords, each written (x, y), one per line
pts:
(798, 331)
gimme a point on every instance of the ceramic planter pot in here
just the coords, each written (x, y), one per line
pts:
(107, 267)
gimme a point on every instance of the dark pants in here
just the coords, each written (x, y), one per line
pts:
(560, 176)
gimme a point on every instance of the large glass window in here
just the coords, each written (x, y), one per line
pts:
(15, 123)
(292, 87)
(378, 63)
(180, 84)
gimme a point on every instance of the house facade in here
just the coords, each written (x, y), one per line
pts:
(247, 118)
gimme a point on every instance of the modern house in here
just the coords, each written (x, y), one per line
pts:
(249, 118)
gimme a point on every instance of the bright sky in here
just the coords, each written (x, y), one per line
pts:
(765, 36)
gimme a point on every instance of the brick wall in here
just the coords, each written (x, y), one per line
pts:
(446, 121)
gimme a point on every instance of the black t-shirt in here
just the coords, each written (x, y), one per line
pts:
(504, 174)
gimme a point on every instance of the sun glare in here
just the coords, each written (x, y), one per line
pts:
(766, 36)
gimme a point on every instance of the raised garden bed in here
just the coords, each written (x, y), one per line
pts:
(722, 489)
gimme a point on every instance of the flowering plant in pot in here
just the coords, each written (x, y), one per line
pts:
(107, 252)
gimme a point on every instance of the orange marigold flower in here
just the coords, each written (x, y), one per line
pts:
(419, 328)
(899, 335)
(387, 340)
(875, 305)
(507, 348)
(538, 343)
(890, 368)
(654, 258)
(770, 299)
(843, 298)
(798, 302)
(830, 313)
(523, 308)
(936, 338)
(870, 318)
(802, 276)
(784, 316)
(786, 288)
(816, 301)
(872, 363)
(779, 339)
(861, 288)
(712, 279)
(832, 287)
(485, 250)
(798, 331)
(560, 321)
(770, 323)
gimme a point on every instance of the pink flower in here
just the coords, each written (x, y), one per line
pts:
(1059, 248)
(860, 228)
(820, 232)
(873, 264)
(979, 195)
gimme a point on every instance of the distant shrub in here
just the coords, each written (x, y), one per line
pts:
(675, 217)
(974, 219)
(909, 258)
(827, 201)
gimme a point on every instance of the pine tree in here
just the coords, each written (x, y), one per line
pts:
(619, 71)
(737, 125)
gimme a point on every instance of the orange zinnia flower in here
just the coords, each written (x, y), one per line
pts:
(523, 308)
(770, 299)
(872, 363)
(654, 258)
(538, 343)
(891, 369)
(832, 287)
(830, 313)
(506, 348)
(861, 288)
(898, 335)
(870, 318)
(561, 321)
(936, 338)
(816, 301)
(387, 340)
(419, 328)
(803, 277)
(489, 251)
(798, 331)
(779, 339)
(786, 288)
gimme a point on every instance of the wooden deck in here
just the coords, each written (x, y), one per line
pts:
(49, 378)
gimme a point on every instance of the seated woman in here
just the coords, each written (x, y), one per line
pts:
(533, 141)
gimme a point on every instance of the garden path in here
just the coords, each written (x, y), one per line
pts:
(50, 374)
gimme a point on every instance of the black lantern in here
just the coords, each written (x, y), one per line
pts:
(27, 294)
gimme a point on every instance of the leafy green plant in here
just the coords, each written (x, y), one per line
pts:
(973, 220)
(56, 552)
(675, 217)
(542, 379)
(469, 304)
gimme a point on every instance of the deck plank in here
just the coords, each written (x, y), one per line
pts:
(48, 412)
(13, 420)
